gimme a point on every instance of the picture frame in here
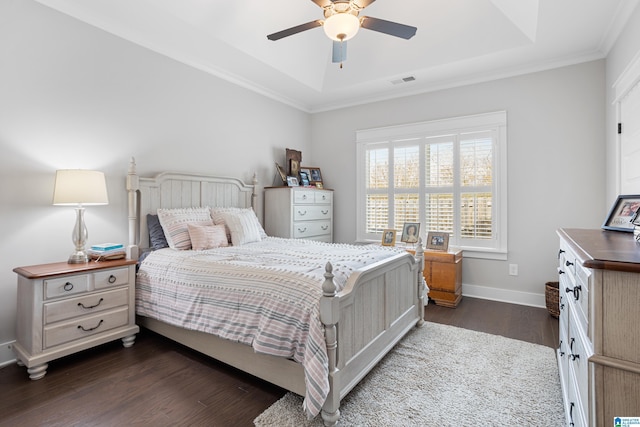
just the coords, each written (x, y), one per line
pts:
(293, 160)
(315, 175)
(304, 179)
(292, 181)
(388, 237)
(621, 213)
(281, 172)
(410, 232)
(438, 241)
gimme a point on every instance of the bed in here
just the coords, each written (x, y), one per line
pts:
(362, 315)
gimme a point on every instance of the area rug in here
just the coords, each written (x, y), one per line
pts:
(441, 375)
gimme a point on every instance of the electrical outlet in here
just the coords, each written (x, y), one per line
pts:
(513, 269)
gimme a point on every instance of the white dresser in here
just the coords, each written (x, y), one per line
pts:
(599, 351)
(299, 213)
(64, 308)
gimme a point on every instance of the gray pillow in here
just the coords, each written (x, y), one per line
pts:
(157, 240)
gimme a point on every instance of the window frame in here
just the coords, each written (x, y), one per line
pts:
(384, 137)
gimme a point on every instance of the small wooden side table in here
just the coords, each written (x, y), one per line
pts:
(443, 274)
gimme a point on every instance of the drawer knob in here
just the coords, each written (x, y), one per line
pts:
(304, 197)
(68, 286)
(91, 329)
(91, 306)
(560, 271)
(560, 252)
(568, 263)
(112, 279)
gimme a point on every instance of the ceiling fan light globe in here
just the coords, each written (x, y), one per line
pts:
(341, 26)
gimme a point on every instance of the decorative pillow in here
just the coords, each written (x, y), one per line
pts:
(207, 236)
(174, 223)
(157, 239)
(242, 226)
(217, 219)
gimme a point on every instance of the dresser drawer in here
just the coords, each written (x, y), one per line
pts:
(304, 196)
(303, 230)
(69, 285)
(85, 304)
(85, 326)
(579, 362)
(311, 212)
(323, 197)
(107, 278)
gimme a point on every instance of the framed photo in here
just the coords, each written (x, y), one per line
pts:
(389, 238)
(281, 172)
(315, 175)
(621, 213)
(293, 160)
(292, 181)
(438, 241)
(304, 179)
(410, 231)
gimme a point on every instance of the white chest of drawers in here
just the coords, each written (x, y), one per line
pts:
(299, 213)
(599, 351)
(64, 308)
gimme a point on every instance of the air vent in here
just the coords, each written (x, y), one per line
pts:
(403, 80)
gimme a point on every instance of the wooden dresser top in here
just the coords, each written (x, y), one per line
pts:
(602, 249)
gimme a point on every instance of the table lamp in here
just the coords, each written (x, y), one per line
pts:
(79, 188)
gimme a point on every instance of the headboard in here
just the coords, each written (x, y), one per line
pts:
(178, 190)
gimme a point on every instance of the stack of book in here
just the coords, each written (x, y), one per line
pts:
(107, 251)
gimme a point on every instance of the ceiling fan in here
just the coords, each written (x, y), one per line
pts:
(342, 23)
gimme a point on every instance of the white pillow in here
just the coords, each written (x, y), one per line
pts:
(207, 236)
(174, 223)
(242, 226)
(216, 215)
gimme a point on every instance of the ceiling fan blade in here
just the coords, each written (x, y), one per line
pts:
(294, 30)
(363, 3)
(388, 27)
(322, 3)
(339, 53)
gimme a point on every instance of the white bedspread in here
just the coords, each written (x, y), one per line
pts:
(263, 294)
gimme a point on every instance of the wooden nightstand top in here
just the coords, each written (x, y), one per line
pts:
(59, 268)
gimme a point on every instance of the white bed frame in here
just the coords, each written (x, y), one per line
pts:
(378, 306)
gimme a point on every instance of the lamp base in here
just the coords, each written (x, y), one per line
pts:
(78, 257)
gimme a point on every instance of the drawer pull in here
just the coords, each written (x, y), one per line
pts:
(560, 271)
(571, 414)
(568, 263)
(324, 197)
(302, 230)
(302, 213)
(304, 197)
(91, 329)
(325, 212)
(324, 227)
(92, 306)
(561, 352)
(573, 356)
(576, 292)
(68, 286)
(560, 252)
(112, 279)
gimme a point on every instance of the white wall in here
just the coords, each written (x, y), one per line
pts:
(72, 96)
(624, 52)
(556, 166)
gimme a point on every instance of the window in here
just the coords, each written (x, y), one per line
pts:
(449, 175)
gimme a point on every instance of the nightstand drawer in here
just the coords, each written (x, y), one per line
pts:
(105, 279)
(85, 304)
(68, 285)
(311, 212)
(85, 326)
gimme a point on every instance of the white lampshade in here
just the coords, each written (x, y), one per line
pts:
(80, 187)
(341, 26)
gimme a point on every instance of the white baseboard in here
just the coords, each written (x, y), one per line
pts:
(504, 295)
(7, 357)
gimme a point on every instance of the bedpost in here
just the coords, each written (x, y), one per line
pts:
(133, 185)
(254, 195)
(329, 316)
(422, 284)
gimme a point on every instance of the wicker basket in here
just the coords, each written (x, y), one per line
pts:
(552, 298)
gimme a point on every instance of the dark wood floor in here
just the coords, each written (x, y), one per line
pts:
(159, 383)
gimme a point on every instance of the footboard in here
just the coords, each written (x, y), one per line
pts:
(377, 307)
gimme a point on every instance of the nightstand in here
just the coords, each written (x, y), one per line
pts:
(443, 274)
(64, 308)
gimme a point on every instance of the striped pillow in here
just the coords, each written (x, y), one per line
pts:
(216, 215)
(207, 236)
(243, 226)
(174, 223)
